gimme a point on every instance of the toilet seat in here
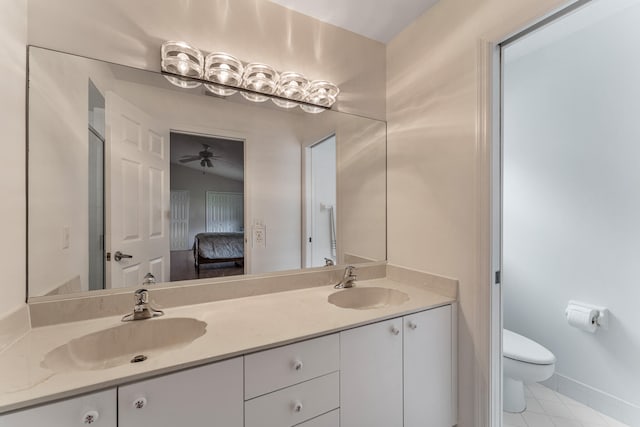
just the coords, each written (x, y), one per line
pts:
(522, 349)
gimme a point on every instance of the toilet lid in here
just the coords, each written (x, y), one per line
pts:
(517, 347)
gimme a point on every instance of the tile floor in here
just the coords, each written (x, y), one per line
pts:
(547, 408)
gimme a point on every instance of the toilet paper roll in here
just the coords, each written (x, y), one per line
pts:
(582, 318)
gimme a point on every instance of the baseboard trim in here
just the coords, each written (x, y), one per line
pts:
(621, 410)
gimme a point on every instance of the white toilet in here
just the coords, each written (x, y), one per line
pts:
(524, 361)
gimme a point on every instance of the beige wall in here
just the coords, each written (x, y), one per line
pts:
(13, 33)
(433, 156)
(131, 32)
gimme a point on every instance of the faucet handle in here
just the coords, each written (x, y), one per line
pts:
(149, 279)
(141, 296)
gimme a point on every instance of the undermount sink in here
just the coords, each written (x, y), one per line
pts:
(127, 343)
(367, 298)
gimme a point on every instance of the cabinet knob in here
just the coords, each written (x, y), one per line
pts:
(395, 330)
(90, 417)
(139, 403)
(413, 325)
(297, 365)
(297, 406)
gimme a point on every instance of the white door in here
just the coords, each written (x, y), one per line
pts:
(210, 395)
(180, 220)
(321, 202)
(138, 178)
(371, 375)
(428, 372)
(224, 212)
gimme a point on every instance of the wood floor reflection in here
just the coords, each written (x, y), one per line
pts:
(183, 268)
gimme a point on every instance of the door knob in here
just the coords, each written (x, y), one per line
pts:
(118, 256)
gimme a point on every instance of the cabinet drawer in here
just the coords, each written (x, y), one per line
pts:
(281, 367)
(96, 409)
(209, 395)
(331, 419)
(293, 405)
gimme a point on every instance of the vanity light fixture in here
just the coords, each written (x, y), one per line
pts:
(225, 69)
(224, 75)
(293, 86)
(261, 78)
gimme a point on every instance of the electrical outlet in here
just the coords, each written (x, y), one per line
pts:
(259, 236)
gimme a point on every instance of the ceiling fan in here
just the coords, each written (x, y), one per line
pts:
(205, 156)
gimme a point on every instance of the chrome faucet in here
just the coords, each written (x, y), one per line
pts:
(328, 262)
(348, 279)
(142, 309)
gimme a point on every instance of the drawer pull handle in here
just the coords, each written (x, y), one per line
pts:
(395, 330)
(413, 325)
(139, 403)
(297, 365)
(90, 417)
(297, 406)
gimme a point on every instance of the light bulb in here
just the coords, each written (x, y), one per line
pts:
(224, 75)
(183, 64)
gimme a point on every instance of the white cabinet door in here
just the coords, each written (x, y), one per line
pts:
(428, 368)
(209, 396)
(371, 375)
(96, 409)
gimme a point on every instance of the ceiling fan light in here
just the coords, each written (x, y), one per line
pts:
(182, 59)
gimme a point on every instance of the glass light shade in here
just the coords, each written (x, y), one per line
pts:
(311, 109)
(292, 86)
(183, 83)
(224, 69)
(254, 97)
(260, 78)
(219, 90)
(321, 92)
(183, 59)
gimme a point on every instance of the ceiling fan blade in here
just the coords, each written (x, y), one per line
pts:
(186, 159)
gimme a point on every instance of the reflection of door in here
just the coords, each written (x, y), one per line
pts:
(321, 202)
(225, 212)
(179, 220)
(138, 171)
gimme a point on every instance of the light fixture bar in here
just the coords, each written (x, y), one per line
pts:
(223, 74)
(245, 90)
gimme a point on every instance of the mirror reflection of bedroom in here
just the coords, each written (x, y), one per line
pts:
(207, 206)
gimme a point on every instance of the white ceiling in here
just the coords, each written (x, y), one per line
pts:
(379, 20)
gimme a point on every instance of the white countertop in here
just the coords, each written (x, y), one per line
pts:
(234, 327)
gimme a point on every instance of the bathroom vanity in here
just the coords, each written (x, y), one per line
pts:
(278, 359)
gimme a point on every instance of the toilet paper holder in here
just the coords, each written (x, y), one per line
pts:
(602, 317)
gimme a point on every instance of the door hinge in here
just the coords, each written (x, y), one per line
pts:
(497, 281)
(309, 239)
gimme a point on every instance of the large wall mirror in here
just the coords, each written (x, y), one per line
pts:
(130, 176)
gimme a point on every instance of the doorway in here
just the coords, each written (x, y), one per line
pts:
(568, 214)
(207, 206)
(320, 210)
